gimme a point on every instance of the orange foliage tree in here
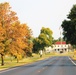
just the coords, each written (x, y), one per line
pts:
(7, 17)
(14, 36)
(20, 34)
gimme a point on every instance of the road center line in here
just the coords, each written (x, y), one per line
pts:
(72, 61)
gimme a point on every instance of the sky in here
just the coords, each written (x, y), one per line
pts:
(42, 13)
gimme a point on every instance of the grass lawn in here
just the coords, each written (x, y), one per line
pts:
(72, 55)
(36, 57)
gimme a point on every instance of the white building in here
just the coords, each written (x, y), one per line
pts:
(61, 47)
(48, 49)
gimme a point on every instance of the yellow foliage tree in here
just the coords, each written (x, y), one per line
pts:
(14, 36)
(18, 40)
(7, 17)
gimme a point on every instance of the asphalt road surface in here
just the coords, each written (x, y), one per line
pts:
(50, 66)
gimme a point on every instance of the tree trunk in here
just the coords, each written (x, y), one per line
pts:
(2, 59)
(17, 60)
(11, 58)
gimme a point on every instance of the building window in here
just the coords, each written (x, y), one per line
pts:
(58, 45)
(61, 45)
(58, 49)
(55, 49)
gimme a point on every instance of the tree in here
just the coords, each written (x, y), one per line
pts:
(20, 35)
(43, 40)
(36, 45)
(7, 17)
(14, 36)
(54, 41)
(69, 27)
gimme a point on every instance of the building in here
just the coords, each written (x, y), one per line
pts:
(61, 47)
(48, 49)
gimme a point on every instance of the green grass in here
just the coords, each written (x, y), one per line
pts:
(73, 55)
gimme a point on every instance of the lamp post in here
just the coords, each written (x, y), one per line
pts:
(60, 36)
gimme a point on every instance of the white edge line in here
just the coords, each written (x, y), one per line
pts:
(72, 61)
(7, 70)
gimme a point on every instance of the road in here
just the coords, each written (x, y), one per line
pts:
(50, 66)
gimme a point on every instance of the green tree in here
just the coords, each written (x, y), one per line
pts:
(69, 27)
(43, 40)
(54, 41)
(36, 45)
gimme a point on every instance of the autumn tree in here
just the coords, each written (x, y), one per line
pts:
(43, 40)
(7, 17)
(14, 36)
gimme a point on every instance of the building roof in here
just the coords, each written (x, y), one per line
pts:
(59, 42)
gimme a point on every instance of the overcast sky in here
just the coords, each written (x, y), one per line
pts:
(42, 13)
